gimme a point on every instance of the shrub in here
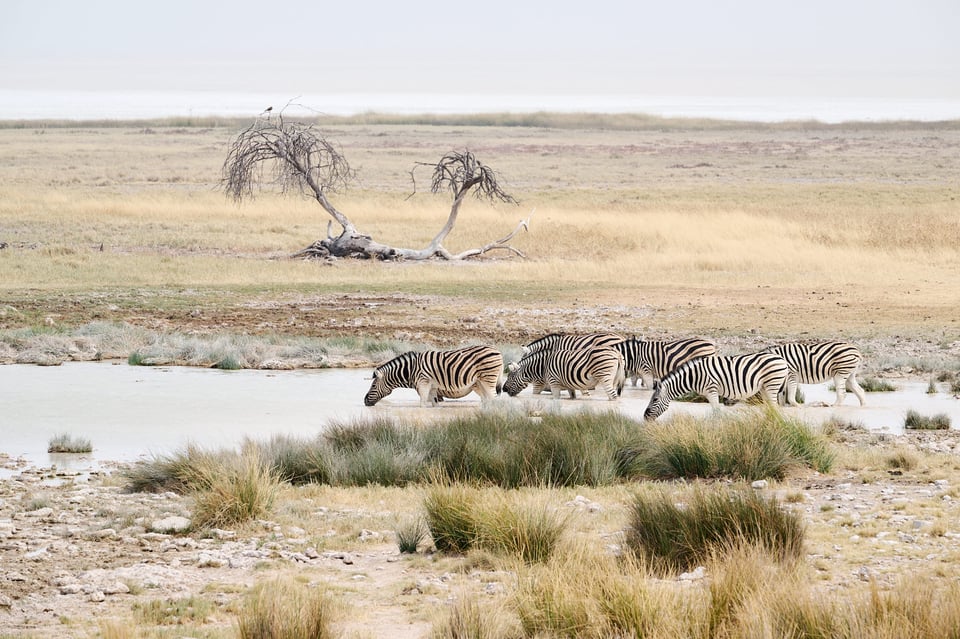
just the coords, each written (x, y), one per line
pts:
(672, 538)
(916, 421)
(66, 443)
(283, 609)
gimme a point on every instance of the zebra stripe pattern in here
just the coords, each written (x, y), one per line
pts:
(439, 374)
(571, 341)
(586, 369)
(569, 370)
(651, 360)
(531, 369)
(818, 362)
(737, 377)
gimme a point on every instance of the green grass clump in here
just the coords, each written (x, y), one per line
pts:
(876, 385)
(750, 445)
(916, 421)
(66, 443)
(674, 538)
(284, 609)
(410, 534)
(461, 518)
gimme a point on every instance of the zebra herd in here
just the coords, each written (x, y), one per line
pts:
(584, 362)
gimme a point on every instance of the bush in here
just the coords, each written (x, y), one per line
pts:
(674, 538)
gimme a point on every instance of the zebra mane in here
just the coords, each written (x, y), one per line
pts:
(403, 359)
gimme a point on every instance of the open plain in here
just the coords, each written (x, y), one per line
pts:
(745, 233)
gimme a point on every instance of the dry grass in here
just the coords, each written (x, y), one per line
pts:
(620, 215)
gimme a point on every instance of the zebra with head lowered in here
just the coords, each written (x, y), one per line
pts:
(439, 374)
(570, 370)
(736, 377)
(650, 359)
(814, 363)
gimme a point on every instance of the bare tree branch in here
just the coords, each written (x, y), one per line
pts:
(298, 158)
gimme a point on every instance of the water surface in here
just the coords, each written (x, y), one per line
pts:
(131, 412)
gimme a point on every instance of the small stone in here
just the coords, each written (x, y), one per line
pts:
(172, 524)
(760, 484)
(698, 573)
(97, 596)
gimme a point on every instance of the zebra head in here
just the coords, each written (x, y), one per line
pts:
(394, 374)
(658, 403)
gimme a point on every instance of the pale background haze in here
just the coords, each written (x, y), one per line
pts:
(813, 49)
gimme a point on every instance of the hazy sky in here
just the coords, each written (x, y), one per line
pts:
(818, 48)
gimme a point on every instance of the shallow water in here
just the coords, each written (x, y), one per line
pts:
(130, 412)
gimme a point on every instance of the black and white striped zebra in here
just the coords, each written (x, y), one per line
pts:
(652, 359)
(736, 377)
(570, 370)
(440, 374)
(571, 341)
(815, 363)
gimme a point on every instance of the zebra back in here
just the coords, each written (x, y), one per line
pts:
(656, 359)
(736, 377)
(813, 363)
(571, 341)
(436, 374)
(586, 369)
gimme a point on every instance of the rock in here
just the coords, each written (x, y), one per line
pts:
(172, 524)
(370, 535)
(698, 573)
(5, 601)
(760, 484)
(210, 560)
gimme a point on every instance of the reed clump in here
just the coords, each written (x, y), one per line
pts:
(915, 421)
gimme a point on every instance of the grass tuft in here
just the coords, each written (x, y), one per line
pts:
(285, 609)
(672, 537)
(66, 443)
(916, 421)
(229, 493)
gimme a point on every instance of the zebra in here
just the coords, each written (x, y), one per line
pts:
(817, 362)
(736, 377)
(440, 374)
(652, 360)
(571, 341)
(570, 370)
(530, 370)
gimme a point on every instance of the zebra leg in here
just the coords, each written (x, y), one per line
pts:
(648, 380)
(840, 382)
(612, 393)
(428, 394)
(854, 386)
(713, 397)
(792, 387)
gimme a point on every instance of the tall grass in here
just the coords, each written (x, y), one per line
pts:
(285, 609)
(672, 537)
(750, 445)
(67, 443)
(509, 449)
(462, 518)
(234, 492)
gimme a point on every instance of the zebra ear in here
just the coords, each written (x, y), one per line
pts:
(656, 386)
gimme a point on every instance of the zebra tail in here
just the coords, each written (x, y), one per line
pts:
(500, 382)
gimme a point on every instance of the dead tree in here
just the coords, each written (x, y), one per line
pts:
(298, 158)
